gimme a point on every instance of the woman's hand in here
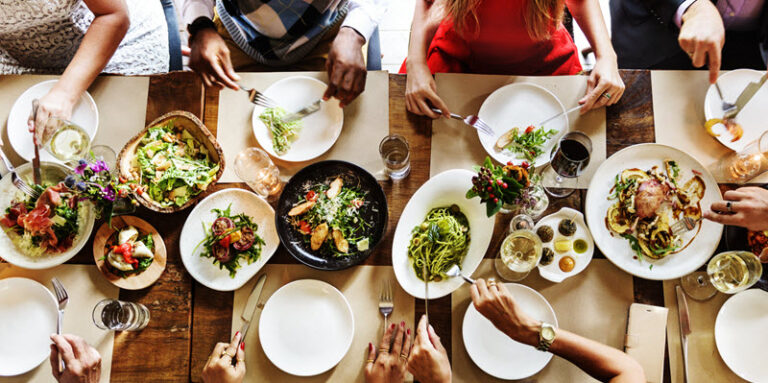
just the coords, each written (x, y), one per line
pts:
(219, 368)
(421, 92)
(56, 103)
(389, 364)
(209, 57)
(749, 208)
(496, 303)
(83, 362)
(429, 360)
(604, 86)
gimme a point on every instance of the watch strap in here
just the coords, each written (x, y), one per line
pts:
(199, 24)
(545, 344)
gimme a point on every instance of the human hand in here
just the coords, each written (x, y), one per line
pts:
(83, 362)
(209, 57)
(429, 361)
(219, 368)
(748, 204)
(496, 303)
(702, 36)
(346, 67)
(56, 103)
(420, 91)
(389, 365)
(604, 86)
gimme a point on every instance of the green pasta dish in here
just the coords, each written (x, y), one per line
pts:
(440, 242)
(283, 133)
(172, 165)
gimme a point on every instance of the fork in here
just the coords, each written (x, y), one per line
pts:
(62, 297)
(15, 179)
(455, 271)
(684, 225)
(729, 110)
(471, 120)
(259, 98)
(386, 304)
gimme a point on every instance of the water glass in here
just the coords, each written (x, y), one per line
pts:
(395, 153)
(568, 159)
(106, 154)
(112, 314)
(255, 168)
(751, 161)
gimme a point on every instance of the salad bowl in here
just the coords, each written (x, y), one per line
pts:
(128, 159)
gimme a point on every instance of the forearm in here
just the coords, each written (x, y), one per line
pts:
(423, 29)
(596, 359)
(588, 15)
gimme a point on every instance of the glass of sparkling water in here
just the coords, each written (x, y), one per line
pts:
(734, 271)
(68, 142)
(520, 251)
(395, 153)
(255, 168)
(112, 314)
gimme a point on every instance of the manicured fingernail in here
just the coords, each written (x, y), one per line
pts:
(237, 333)
(392, 326)
(370, 346)
(402, 324)
(408, 332)
(242, 346)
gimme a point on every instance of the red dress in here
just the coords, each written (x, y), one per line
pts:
(502, 45)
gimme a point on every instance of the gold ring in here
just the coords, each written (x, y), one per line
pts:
(402, 355)
(383, 350)
(240, 360)
(227, 354)
(369, 361)
(606, 95)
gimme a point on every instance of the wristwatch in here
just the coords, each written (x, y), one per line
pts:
(200, 23)
(546, 337)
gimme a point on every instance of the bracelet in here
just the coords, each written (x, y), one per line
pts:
(199, 24)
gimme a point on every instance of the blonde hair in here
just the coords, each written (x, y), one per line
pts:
(541, 16)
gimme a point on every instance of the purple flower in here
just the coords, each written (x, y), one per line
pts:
(99, 166)
(108, 193)
(81, 167)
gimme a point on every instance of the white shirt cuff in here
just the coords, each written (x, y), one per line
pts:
(680, 10)
(358, 20)
(194, 9)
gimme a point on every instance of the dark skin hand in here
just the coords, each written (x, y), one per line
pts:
(346, 67)
(209, 57)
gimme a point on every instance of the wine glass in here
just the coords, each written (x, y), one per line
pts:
(254, 167)
(748, 163)
(729, 272)
(568, 159)
(520, 251)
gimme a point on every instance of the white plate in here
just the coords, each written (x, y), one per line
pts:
(617, 249)
(53, 173)
(520, 105)
(321, 129)
(741, 336)
(751, 118)
(306, 327)
(28, 316)
(552, 271)
(444, 189)
(496, 353)
(202, 268)
(85, 114)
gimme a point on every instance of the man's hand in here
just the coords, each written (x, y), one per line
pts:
(83, 362)
(209, 57)
(346, 67)
(749, 206)
(702, 36)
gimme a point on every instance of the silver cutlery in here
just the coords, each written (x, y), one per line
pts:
(36, 177)
(259, 98)
(250, 309)
(455, 271)
(575, 108)
(729, 110)
(684, 225)
(685, 326)
(426, 290)
(62, 298)
(747, 93)
(303, 112)
(386, 301)
(15, 179)
(473, 121)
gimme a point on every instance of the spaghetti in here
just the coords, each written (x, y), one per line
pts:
(441, 241)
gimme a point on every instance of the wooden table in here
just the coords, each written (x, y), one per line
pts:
(188, 319)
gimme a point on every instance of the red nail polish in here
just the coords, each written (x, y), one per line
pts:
(237, 333)
(392, 326)
(370, 346)
(408, 332)
(402, 324)
(242, 346)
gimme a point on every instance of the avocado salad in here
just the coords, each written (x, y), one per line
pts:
(173, 167)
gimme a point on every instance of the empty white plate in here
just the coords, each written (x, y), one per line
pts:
(28, 316)
(496, 353)
(741, 333)
(320, 129)
(521, 105)
(306, 327)
(751, 118)
(85, 114)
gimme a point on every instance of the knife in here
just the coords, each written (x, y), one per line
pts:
(748, 92)
(250, 308)
(685, 326)
(426, 291)
(36, 176)
(303, 112)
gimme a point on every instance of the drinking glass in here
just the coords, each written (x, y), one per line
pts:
(520, 251)
(112, 314)
(734, 271)
(255, 168)
(68, 142)
(748, 163)
(395, 153)
(106, 154)
(568, 159)
(698, 286)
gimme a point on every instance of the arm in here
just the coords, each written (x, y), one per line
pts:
(604, 86)
(100, 42)
(420, 87)
(598, 360)
(702, 36)
(208, 53)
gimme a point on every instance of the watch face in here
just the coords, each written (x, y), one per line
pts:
(548, 333)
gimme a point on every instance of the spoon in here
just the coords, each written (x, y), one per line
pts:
(455, 271)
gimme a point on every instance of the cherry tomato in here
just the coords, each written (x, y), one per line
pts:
(224, 242)
(529, 129)
(247, 237)
(524, 165)
(221, 224)
(311, 196)
(304, 227)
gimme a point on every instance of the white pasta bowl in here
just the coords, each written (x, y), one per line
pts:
(445, 189)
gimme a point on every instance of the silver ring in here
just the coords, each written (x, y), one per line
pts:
(728, 206)
(606, 95)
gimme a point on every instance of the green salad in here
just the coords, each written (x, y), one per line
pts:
(527, 144)
(173, 166)
(283, 133)
(231, 238)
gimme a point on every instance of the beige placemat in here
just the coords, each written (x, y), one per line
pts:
(360, 285)
(704, 362)
(86, 287)
(366, 122)
(121, 102)
(455, 145)
(678, 114)
(593, 304)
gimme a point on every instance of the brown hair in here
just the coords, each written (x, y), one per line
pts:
(541, 16)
